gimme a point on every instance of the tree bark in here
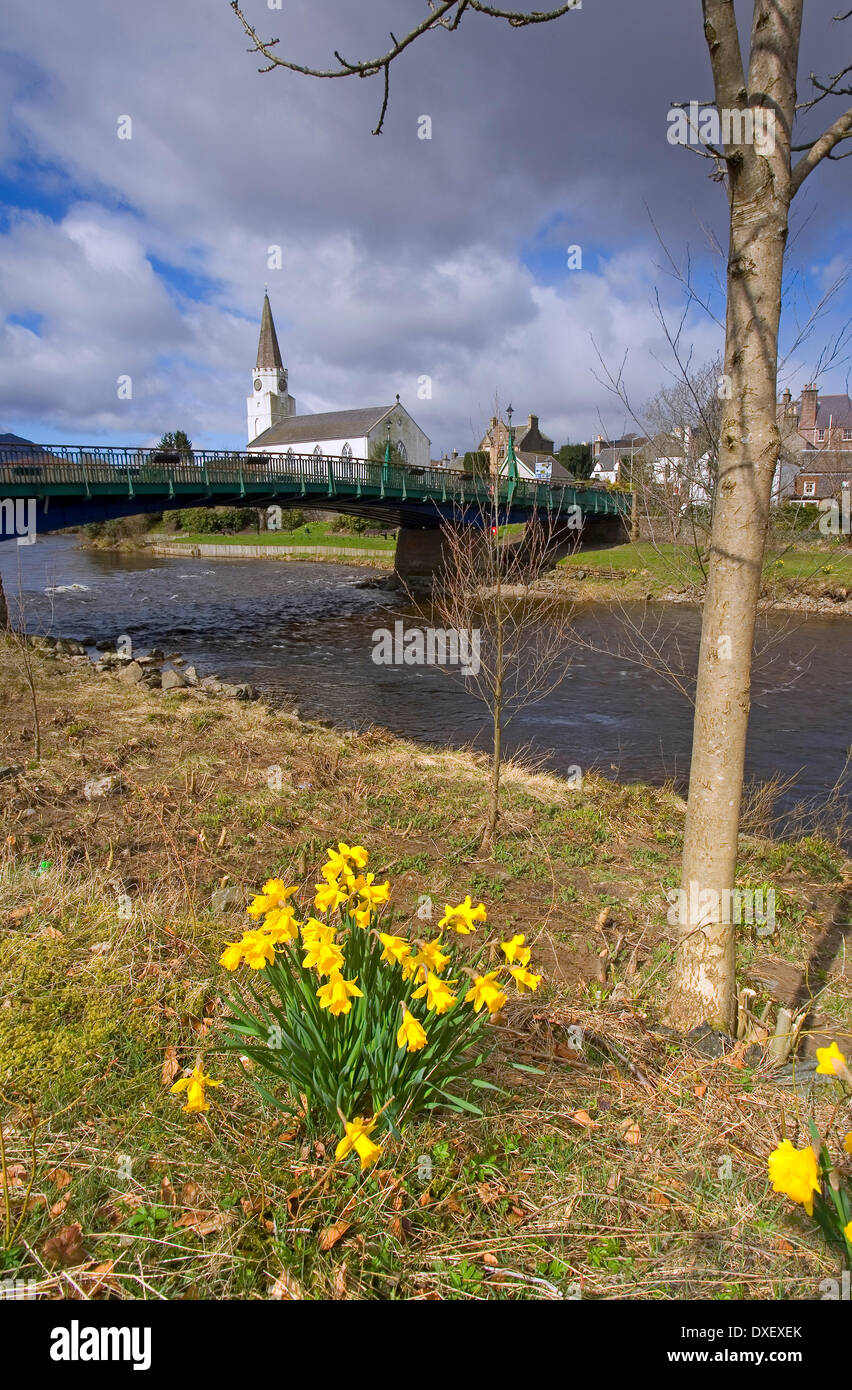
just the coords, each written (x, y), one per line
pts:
(703, 985)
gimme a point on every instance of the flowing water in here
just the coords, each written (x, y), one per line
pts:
(306, 629)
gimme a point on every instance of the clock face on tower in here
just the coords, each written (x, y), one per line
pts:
(257, 384)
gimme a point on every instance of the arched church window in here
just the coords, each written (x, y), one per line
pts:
(317, 451)
(290, 456)
(402, 452)
(346, 451)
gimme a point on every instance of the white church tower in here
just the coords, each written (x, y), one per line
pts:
(269, 402)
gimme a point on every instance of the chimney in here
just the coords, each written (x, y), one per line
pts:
(808, 411)
(533, 422)
(599, 440)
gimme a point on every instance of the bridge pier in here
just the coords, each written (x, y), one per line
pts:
(420, 555)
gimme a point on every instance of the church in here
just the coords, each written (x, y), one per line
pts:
(275, 427)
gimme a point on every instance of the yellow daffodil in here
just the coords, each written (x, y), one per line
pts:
(515, 950)
(438, 995)
(847, 1231)
(411, 1034)
(396, 948)
(795, 1172)
(463, 918)
(342, 859)
(323, 956)
(274, 893)
(232, 956)
(431, 955)
(314, 930)
(329, 896)
(826, 1057)
(256, 949)
(281, 924)
(370, 891)
(524, 978)
(194, 1085)
(847, 1143)
(362, 917)
(337, 994)
(486, 993)
(357, 1137)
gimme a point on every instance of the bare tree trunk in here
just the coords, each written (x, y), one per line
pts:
(703, 985)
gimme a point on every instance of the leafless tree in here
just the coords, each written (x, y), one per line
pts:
(495, 589)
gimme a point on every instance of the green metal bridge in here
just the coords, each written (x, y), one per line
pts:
(55, 486)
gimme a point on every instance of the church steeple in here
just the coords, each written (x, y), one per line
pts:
(270, 401)
(268, 351)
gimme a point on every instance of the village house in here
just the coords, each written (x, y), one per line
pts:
(534, 451)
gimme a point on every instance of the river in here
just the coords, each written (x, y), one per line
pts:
(306, 629)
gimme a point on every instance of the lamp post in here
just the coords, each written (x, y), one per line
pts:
(511, 461)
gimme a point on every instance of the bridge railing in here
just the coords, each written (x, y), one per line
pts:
(71, 466)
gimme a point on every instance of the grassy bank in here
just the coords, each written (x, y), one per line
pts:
(598, 1171)
(314, 533)
(636, 570)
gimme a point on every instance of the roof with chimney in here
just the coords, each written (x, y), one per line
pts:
(833, 410)
(268, 351)
(331, 424)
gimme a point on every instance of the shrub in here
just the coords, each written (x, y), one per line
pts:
(361, 1026)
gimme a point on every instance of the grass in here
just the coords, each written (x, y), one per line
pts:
(587, 1175)
(633, 569)
(315, 533)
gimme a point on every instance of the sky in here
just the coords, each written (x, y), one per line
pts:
(438, 268)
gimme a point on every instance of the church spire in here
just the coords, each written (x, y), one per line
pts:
(268, 351)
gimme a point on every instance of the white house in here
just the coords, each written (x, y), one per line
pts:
(275, 428)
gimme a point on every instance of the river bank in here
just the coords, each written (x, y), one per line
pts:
(801, 581)
(591, 1166)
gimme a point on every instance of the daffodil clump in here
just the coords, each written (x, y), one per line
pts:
(361, 1026)
(809, 1176)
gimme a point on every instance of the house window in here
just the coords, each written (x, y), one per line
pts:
(402, 453)
(317, 451)
(847, 434)
(346, 451)
(808, 487)
(820, 434)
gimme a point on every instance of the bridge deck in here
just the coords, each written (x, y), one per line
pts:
(72, 485)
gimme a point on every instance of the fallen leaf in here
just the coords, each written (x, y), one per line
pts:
(488, 1259)
(19, 913)
(189, 1194)
(171, 1066)
(332, 1234)
(285, 1287)
(58, 1207)
(582, 1117)
(14, 1175)
(658, 1199)
(339, 1282)
(205, 1223)
(60, 1177)
(632, 1134)
(167, 1193)
(66, 1246)
(700, 1091)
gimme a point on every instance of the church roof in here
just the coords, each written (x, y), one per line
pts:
(332, 424)
(268, 351)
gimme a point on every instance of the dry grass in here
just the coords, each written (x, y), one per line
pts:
(602, 1172)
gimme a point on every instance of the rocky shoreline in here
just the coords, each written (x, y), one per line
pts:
(155, 669)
